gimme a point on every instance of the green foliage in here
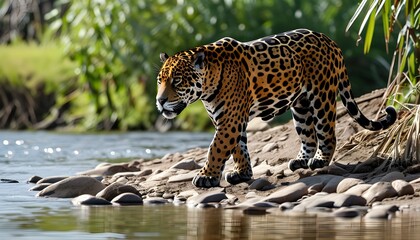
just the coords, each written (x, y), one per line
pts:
(402, 16)
(30, 65)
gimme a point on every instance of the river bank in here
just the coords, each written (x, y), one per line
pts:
(337, 189)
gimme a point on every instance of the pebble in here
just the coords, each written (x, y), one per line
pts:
(346, 213)
(259, 184)
(72, 187)
(155, 200)
(269, 147)
(378, 213)
(109, 170)
(87, 199)
(207, 197)
(158, 176)
(347, 183)
(34, 179)
(51, 179)
(5, 180)
(379, 191)
(263, 169)
(402, 187)
(127, 198)
(265, 205)
(182, 177)
(115, 189)
(392, 176)
(358, 189)
(187, 164)
(331, 185)
(289, 193)
(39, 187)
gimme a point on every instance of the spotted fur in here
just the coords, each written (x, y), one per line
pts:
(299, 70)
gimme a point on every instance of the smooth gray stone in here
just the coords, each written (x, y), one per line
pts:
(346, 213)
(127, 198)
(87, 199)
(347, 183)
(115, 189)
(265, 205)
(5, 180)
(289, 193)
(402, 187)
(155, 200)
(39, 187)
(72, 187)
(378, 213)
(207, 197)
(53, 179)
(259, 184)
(187, 164)
(34, 179)
(379, 191)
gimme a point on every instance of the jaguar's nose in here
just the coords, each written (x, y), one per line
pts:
(162, 100)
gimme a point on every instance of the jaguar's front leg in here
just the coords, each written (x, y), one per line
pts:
(219, 152)
(243, 170)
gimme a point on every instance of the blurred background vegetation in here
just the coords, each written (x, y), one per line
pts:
(92, 65)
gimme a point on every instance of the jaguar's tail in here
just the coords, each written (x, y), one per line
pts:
(354, 111)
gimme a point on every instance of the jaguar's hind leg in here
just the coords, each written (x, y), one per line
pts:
(324, 122)
(303, 120)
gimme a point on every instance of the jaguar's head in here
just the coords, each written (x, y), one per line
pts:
(179, 82)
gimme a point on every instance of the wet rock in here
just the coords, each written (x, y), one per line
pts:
(206, 205)
(127, 198)
(39, 187)
(34, 179)
(109, 170)
(358, 189)
(53, 179)
(402, 187)
(331, 185)
(87, 199)
(207, 197)
(378, 213)
(187, 164)
(186, 194)
(155, 200)
(346, 200)
(389, 177)
(72, 187)
(390, 208)
(379, 191)
(116, 189)
(168, 195)
(346, 213)
(5, 180)
(288, 205)
(254, 210)
(289, 193)
(259, 184)
(265, 205)
(347, 183)
(182, 177)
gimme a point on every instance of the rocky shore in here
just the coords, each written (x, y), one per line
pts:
(337, 190)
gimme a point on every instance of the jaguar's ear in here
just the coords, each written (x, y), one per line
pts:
(198, 60)
(163, 57)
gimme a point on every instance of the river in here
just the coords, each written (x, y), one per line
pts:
(24, 216)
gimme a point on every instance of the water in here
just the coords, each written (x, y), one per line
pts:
(23, 216)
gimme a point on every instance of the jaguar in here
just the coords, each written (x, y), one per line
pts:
(300, 70)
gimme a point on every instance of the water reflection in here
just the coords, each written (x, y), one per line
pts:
(169, 222)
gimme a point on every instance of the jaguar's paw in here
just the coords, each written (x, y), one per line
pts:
(317, 163)
(205, 181)
(236, 177)
(296, 164)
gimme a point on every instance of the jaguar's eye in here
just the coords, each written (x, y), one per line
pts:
(176, 81)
